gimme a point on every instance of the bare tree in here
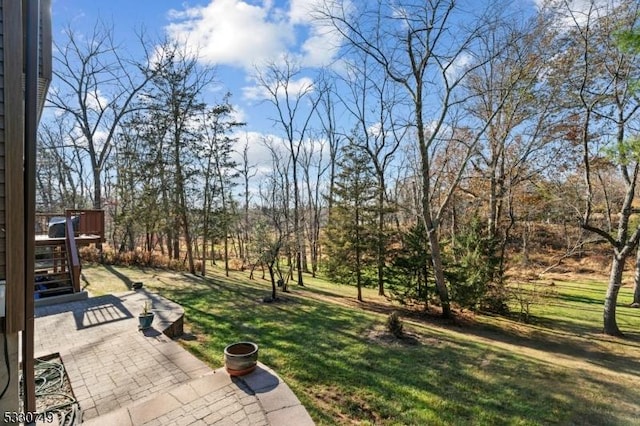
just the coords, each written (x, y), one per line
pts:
(61, 175)
(602, 79)
(597, 76)
(96, 85)
(371, 99)
(327, 115)
(246, 171)
(412, 42)
(314, 166)
(271, 227)
(522, 140)
(291, 96)
(629, 40)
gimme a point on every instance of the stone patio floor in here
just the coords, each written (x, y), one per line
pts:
(122, 376)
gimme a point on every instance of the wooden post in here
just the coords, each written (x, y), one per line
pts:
(72, 256)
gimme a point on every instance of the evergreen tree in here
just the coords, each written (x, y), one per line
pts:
(409, 276)
(474, 273)
(351, 229)
(174, 105)
(219, 171)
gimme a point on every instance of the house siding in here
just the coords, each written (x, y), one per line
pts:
(12, 244)
(2, 159)
(10, 401)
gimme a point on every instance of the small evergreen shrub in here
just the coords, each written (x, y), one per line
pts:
(394, 324)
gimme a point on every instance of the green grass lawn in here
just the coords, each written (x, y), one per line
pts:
(334, 354)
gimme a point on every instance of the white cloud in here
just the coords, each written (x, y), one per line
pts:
(232, 32)
(321, 47)
(295, 88)
(259, 157)
(254, 93)
(300, 86)
(95, 100)
(572, 12)
(300, 11)
(257, 153)
(375, 130)
(323, 41)
(242, 33)
(238, 115)
(457, 66)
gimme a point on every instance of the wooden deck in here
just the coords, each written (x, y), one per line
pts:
(81, 240)
(57, 262)
(90, 225)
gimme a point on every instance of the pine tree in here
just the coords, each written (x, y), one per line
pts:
(219, 171)
(351, 228)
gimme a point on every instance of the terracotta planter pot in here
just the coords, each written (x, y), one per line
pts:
(240, 358)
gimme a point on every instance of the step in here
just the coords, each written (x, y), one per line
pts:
(63, 298)
(258, 398)
(45, 294)
(60, 280)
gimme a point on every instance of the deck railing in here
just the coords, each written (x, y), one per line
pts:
(91, 222)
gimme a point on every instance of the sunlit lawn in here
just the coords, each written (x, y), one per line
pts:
(497, 373)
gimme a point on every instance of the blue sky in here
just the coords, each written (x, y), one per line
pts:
(233, 35)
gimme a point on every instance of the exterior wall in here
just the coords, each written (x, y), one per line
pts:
(2, 160)
(12, 190)
(14, 258)
(10, 120)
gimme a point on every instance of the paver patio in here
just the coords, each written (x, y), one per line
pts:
(122, 376)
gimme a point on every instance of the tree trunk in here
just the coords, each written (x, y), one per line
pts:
(636, 282)
(438, 272)
(381, 249)
(525, 244)
(611, 298)
(176, 240)
(226, 253)
(273, 280)
(359, 275)
(305, 263)
(314, 258)
(188, 241)
(203, 267)
(430, 226)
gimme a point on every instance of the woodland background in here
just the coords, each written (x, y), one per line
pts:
(447, 156)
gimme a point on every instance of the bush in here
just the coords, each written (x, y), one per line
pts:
(138, 258)
(394, 324)
(525, 295)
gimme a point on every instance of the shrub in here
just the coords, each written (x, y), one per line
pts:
(525, 295)
(394, 324)
(139, 258)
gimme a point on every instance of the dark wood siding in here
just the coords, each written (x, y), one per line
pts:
(2, 216)
(13, 194)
